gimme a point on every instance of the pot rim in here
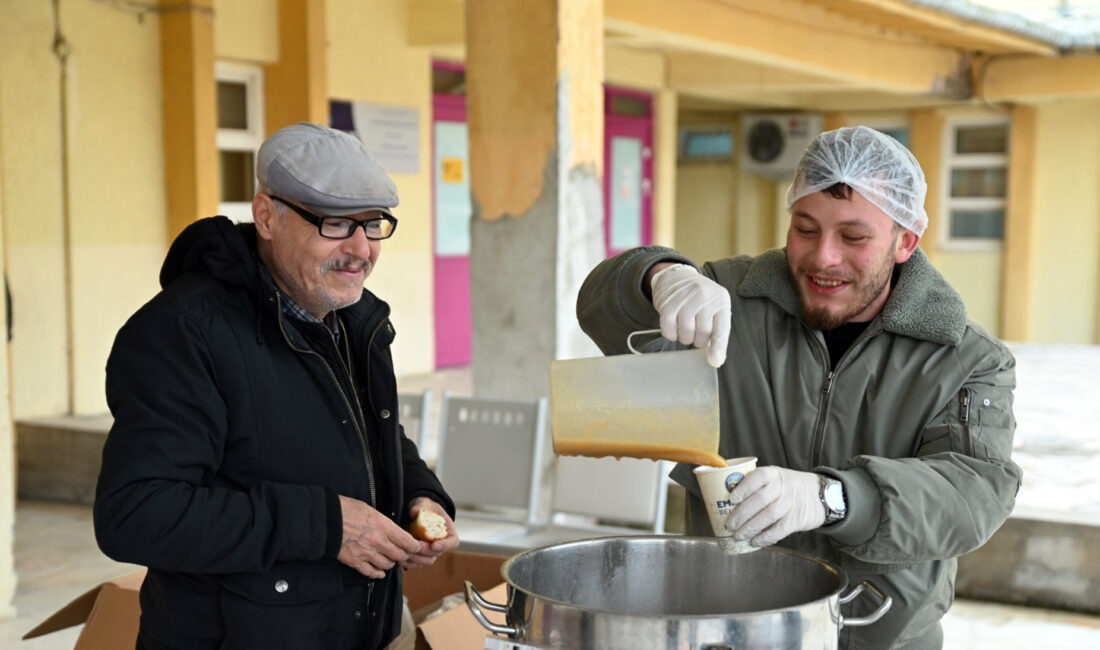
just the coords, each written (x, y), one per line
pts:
(841, 575)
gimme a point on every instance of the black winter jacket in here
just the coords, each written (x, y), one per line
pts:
(232, 440)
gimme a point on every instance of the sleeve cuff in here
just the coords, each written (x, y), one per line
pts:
(334, 523)
(864, 507)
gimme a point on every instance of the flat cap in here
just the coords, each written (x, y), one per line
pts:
(328, 171)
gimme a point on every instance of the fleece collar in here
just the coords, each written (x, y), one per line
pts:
(922, 305)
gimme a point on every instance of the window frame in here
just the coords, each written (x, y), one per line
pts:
(953, 161)
(242, 140)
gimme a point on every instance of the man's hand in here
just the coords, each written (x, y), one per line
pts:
(372, 544)
(773, 502)
(427, 553)
(694, 310)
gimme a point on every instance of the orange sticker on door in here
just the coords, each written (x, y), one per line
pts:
(452, 170)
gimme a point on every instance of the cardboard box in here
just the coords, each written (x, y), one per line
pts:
(110, 610)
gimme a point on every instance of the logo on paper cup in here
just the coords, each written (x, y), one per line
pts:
(733, 479)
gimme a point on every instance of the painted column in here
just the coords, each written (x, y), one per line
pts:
(190, 111)
(296, 87)
(926, 142)
(1021, 222)
(535, 116)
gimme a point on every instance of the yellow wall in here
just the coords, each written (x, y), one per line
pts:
(115, 190)
(706, 197)
(7, 455)
(368, 60)
(976, 275)
(1067, 199)
(247, 30)
(31, 195)
(115, 179)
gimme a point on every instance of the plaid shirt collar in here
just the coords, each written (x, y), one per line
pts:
(292, 309)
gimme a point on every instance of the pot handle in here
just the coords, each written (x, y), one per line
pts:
(475, 601)
(884, 600)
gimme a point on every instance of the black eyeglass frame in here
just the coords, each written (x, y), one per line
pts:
(319, 221)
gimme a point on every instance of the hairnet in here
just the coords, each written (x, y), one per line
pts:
(871, 163)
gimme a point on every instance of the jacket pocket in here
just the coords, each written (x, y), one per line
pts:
(944, 438)
(289, 606)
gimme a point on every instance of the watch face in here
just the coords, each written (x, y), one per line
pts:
(834, 496)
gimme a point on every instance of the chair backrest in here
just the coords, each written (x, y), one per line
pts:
(628, 491)
(492, 455)
(414, 411)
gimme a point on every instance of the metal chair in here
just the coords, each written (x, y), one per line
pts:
(414, 413)
(598, 497)
(491, 461)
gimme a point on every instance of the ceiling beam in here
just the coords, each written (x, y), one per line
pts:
(1036, 79)
(689, 71)
(436, 22)
(817, 43)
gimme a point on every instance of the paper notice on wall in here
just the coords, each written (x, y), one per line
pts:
(453, 171)
(391, 134)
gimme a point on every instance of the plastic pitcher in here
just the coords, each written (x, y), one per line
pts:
(661, 405)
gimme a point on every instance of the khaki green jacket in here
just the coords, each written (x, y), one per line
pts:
(915, 420)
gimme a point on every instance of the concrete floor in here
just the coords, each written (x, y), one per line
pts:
(1057, 445)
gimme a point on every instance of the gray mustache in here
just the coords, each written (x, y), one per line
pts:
(346, 264)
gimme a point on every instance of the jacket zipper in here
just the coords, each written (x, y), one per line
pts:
(964, 409)
(347, 403)
(819, 425)
(359, 410)
(818, 442)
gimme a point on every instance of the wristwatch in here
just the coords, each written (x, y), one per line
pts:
(832, 497)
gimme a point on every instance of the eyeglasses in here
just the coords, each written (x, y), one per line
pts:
(381, 227)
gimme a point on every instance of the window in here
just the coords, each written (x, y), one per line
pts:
(706, 144)
(240, 133)
(976, 184)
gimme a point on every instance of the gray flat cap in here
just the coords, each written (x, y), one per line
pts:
(328, 171)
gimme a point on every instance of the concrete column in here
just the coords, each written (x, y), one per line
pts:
(190, 111)
(535, 117)
(1021, 223)
(296, 87)
(926, 142)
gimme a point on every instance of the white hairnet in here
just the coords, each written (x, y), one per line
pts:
(871, 163)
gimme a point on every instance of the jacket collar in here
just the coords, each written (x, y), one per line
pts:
(922, 305)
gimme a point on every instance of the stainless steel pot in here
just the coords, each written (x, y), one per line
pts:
(682, 593)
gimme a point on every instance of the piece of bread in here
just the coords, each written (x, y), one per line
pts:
(428, 526)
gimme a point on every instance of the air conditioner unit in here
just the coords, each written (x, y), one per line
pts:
(771, 144)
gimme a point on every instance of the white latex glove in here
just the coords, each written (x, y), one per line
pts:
(694, 310)
(773, 502)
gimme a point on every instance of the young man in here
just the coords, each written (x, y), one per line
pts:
(881, 416)
(256, 464)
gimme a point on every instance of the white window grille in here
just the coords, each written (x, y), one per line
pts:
(975, 183)
(240, 133)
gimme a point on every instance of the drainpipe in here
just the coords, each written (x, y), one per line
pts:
(62, 49)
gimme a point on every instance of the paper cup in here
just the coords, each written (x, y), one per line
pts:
(716, 484)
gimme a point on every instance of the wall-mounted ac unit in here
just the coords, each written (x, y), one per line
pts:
(771, 144)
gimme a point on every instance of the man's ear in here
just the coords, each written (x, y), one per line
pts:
(907, 243)
(263, 215)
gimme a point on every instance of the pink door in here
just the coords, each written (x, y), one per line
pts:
(628, 170)
(451, 235)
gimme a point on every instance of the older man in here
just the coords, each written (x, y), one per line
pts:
(256, 464)
(882, 416)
